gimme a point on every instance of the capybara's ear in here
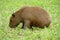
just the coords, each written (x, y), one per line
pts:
(13, 15)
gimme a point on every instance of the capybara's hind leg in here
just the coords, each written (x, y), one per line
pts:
(48, 24)
(26, 24)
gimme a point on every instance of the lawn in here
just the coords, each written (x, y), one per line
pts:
(8, 7)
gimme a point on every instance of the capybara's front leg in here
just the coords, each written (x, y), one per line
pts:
(26, 24)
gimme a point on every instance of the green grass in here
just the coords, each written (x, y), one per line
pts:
(7, 7)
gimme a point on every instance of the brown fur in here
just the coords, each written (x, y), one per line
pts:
(30, 16)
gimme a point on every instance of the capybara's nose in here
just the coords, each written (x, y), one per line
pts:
(10, 26)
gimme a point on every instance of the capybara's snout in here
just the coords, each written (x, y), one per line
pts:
(12, 26)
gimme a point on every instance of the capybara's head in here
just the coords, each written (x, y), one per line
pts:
(14, 20)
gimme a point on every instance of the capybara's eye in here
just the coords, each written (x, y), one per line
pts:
(13, 15)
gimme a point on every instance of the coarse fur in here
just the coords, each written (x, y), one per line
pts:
(30, 16)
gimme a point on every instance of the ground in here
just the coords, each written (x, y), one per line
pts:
(7, 7)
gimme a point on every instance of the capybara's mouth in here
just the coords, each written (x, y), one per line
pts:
(12, 26)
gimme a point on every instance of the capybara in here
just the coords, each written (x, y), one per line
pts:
(30, 16)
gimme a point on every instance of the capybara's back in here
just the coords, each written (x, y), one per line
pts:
(34, 16)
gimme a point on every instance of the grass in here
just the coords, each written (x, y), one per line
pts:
(7, 7)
